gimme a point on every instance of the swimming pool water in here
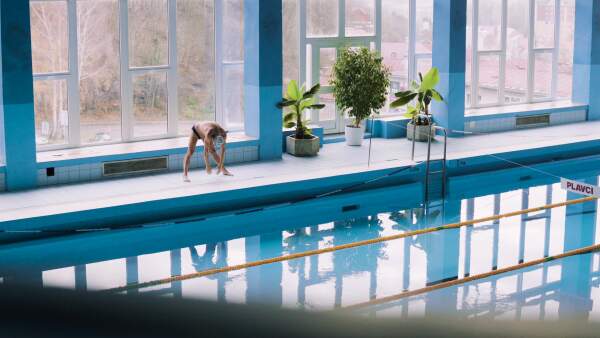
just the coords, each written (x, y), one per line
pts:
(563, 288)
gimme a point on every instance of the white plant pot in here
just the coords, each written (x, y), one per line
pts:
(354, 136)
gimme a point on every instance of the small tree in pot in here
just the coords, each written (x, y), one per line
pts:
(360, 83)
(295, 102)
(424, 93)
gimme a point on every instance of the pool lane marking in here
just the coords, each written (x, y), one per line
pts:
(455, 282)
(283, 258)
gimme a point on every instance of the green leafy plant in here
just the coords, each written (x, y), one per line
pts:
(295, 102)
(423, 94)
(360, 82)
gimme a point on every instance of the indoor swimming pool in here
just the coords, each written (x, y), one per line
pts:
(563, 288)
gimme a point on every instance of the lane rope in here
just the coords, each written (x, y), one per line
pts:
(288, 257)
(443, 285)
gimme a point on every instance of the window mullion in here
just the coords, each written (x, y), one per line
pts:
(126, 86)
(556, 49)
(303, 42)
(475, 55)
(172, 75)
(378, 25)
(503, 32)
(341, 19)
(218, 12)
(73, 103)
(412, 40)
(531, 53)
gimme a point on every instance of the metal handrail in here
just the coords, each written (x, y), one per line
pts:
(431, 132)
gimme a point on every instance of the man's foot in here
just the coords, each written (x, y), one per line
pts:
(186, 179)
(225, 172)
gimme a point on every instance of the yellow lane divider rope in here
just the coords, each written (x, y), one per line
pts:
(443, 285)
(342, 247)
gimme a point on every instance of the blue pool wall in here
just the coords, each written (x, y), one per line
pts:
(263, 85)
(554, 159)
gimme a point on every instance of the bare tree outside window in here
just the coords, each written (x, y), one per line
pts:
(99, 71)
(196, 62)
(50, 55)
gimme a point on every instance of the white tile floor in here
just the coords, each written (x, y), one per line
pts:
(335, 159)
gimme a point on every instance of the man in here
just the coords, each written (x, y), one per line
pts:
(213, 136)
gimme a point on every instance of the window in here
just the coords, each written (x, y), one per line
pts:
(314, 31)
(407, 40)
(51, 67)
(519, 51)
(109, 71)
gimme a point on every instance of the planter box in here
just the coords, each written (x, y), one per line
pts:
(420, 133)
(303, 147)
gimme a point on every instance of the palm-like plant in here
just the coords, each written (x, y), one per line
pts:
(295, 102)
(424, 93)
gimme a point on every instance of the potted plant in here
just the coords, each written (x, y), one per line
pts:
(360, 82)
(295, 102)
(423, 93)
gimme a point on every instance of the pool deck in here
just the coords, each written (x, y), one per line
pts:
(261, 183)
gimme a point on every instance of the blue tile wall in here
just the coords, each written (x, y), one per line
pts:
(509, 123)
(93, 172)
(2, 182)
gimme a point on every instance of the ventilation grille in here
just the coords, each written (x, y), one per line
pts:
(533, 121)
(138, 166)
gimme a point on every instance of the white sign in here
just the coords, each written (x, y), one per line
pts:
(580, 188)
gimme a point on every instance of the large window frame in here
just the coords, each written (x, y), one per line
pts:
(128, 72)
(311, 45)
(471, 100)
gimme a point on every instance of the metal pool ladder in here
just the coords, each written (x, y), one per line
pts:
(428, 172)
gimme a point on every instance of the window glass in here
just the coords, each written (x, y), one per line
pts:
(542, 78)
(322, 18)
(148, 33)
(395, 42)
(489, 70)
(233, 96)
(490, 23)
(565, 54)
(360, 17)
(196, 62)
(327, 58)
(544, 23)
(233, 30)
(49, 36)
(291, 42)
(424, 26)
(423, 66)
(99, 71)
(232, 90)
(51, 117)
(150, 105)
(517, 52)
(329, 112)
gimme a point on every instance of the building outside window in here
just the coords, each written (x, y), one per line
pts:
(519, 51)
(108, 71)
